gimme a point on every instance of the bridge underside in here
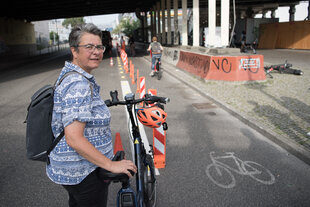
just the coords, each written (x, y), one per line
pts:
(36, 10)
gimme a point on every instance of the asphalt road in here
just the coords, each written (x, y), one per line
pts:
(194, 176)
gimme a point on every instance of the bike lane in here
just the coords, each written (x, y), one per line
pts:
(258, 173)
(199, 170)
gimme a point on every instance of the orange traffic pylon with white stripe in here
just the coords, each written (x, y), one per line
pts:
(159, 142)
(138, 81)
(111, 61)
(118, 146)
(142, 87)
(132, 74)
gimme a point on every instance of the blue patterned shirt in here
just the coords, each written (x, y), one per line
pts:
(74, 101)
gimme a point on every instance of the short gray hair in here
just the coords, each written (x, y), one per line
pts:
(78, 31)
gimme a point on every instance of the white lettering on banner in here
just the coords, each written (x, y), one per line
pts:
(249, 63)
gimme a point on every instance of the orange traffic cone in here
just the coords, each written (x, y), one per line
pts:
(118, 146)
(111, 61)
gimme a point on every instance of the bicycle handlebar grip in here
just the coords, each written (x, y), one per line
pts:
(164, 100)
(108, 103)
(161, 99)
(114, 96)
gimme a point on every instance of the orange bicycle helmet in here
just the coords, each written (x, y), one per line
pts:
(151, 116)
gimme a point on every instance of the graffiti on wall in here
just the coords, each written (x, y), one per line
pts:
(198, 64)
(172, 54)
(222, 64)
(251, 64)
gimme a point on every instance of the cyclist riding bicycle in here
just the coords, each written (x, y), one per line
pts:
(156, 49)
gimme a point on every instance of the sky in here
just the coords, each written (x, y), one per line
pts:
(103, 20)
(282, 13)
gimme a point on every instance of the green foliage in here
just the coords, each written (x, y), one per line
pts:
(52, 36)
(73, 22)
(127, 25)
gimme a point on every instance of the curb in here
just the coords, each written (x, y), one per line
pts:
(292, 147)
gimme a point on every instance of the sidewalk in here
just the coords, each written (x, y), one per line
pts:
(278, 108)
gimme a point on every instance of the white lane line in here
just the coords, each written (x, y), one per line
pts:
(125, 90)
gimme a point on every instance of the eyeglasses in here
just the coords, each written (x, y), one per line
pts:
(91, 47)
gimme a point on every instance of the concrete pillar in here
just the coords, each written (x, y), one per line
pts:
(163, 17)
(184, 23)
(146, 26)
(211, 22)
(225, 23)
(169, 22)
(158, 23)
(151, 22)
(292, 13)
(176, 22)
(154, 22)
(273, 13)
(196, 23)
(264, 12)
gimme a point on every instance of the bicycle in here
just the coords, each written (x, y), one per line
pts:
(282, 68)
(250, 168)
(157, 70)
(145, 194)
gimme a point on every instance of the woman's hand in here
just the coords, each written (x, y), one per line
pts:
(75, 139)
(123, 166)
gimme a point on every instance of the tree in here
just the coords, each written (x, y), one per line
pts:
(54, 36)
(73, 22)
(127, 26)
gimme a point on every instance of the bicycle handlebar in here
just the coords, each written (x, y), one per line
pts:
(107, 175)
(129, 99)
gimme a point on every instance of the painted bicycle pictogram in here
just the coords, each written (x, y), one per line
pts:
(220, 173)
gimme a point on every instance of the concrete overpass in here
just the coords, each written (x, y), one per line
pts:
(16, 18)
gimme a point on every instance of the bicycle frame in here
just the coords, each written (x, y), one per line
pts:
(139, 151)
(157, 62)
(143, 161)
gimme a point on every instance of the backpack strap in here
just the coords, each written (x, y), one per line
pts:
(60, 136)
(71, 72)
(55, 142)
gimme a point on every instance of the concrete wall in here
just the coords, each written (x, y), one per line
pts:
(16, 37)
(226, 67)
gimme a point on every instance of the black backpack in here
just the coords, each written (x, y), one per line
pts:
(40, 140)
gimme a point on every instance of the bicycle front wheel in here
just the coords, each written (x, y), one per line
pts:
(258, 172)
(149, 182)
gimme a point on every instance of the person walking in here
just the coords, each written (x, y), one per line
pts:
(156, 52)
(81, 113)
(122, 42)
(132, 46)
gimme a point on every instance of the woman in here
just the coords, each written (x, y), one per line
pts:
(85, 119)
(156, 49)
